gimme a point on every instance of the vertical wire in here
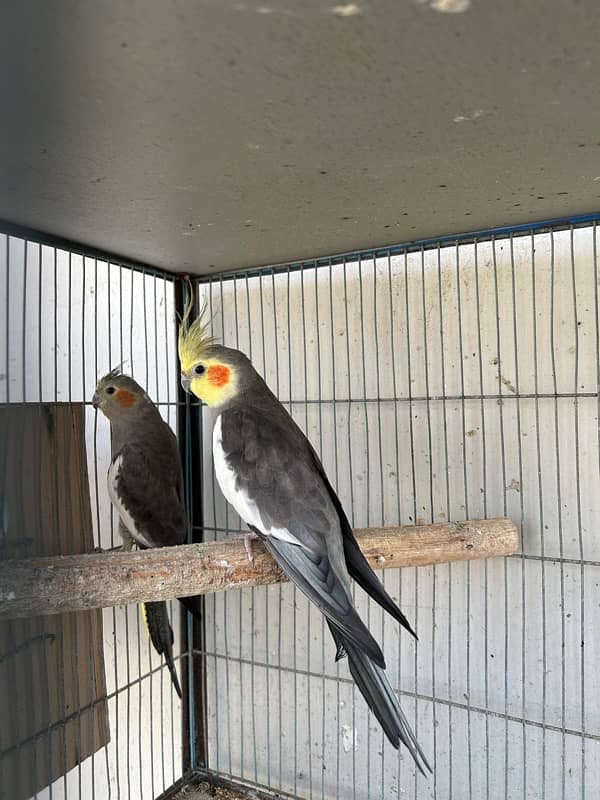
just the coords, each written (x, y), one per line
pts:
(113, 610)
(414, 489)
(72, 525)
(349, 422)
(293, 586)
(294, 589)
(61, 617)
(308, 622)
(44, 654)
(521, 517)
(579, 523)
(449, 567)
(76, 654)
(266, 590)
(33, 627)
(381, 482)
(253, 590)
(279, 588)
(485, 513)
(597, 360)
(466, 506)
(226, 594)
(26, 625)
(397, 462)
(367, 470)
(12, 719)
(320, 451)
(214, 599)
(46, 668)
(172, 403)
(170, 616)
(558, 502)
(96, 483)
(240, 601)
(148, 647)
(225, 604)
(194, 633)
(83, 500)
(127, 608)
(541, 512)
(337, 477)
(137, 609)
(504, 509)
(368, 475)
(431, 505)
(169, 406)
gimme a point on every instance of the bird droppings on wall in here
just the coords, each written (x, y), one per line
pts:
(450, 6)
(469, 117)
(348, 10)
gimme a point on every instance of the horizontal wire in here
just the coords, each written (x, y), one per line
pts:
(404, 693)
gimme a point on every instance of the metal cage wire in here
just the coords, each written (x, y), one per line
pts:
(69, 318)
(453, 380)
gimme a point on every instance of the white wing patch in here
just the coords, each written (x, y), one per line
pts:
(245, 507)
(126, 518)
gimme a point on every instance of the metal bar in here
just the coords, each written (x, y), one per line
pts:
(76, 248)
(189, 429)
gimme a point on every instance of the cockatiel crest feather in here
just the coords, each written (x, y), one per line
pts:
(194, 339)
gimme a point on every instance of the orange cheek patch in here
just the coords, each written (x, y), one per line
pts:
(218, 375)
(126, 398)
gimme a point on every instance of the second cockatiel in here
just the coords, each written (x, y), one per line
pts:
(145, 484)
(269, 472)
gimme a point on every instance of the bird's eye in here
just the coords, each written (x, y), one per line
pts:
(199, 369)
(110, 390)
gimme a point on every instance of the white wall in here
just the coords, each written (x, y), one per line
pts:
(69, 321)
(375, 360)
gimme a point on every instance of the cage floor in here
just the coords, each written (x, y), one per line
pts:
(204, 790)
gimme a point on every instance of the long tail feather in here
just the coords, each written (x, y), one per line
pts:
(380, 697)
(161, 636)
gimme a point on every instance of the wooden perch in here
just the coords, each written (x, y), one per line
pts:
(70, 583)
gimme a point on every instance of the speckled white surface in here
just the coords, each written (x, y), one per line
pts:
(204, 136)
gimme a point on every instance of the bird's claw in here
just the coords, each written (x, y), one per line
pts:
(248, 539)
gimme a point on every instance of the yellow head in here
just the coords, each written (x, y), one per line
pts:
(209, 371)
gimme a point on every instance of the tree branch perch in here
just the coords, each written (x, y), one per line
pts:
(71, 583)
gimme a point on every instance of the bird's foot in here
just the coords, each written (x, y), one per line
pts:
(116, 549)
(248, 539)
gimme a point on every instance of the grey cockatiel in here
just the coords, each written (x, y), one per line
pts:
(145, 484)
(272, 476)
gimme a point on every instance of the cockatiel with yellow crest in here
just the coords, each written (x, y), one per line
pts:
(145, 484)
(270, 473)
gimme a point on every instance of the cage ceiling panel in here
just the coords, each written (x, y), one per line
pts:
(199, 137)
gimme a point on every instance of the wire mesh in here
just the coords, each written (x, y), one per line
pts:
(69, 319)
(455, 380)
(447, 382)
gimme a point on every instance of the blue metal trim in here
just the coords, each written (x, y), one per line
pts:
(446, 240)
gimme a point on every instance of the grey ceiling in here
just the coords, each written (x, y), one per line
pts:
(200, 136)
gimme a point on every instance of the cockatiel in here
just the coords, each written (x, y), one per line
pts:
(145, 484)
(269, 472)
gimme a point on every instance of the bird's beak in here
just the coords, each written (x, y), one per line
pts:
(186, 382)
(96, 400)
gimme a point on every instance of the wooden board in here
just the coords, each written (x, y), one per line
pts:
(52, 685)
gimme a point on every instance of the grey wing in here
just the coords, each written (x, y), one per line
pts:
(148, 502)
(272, 463)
